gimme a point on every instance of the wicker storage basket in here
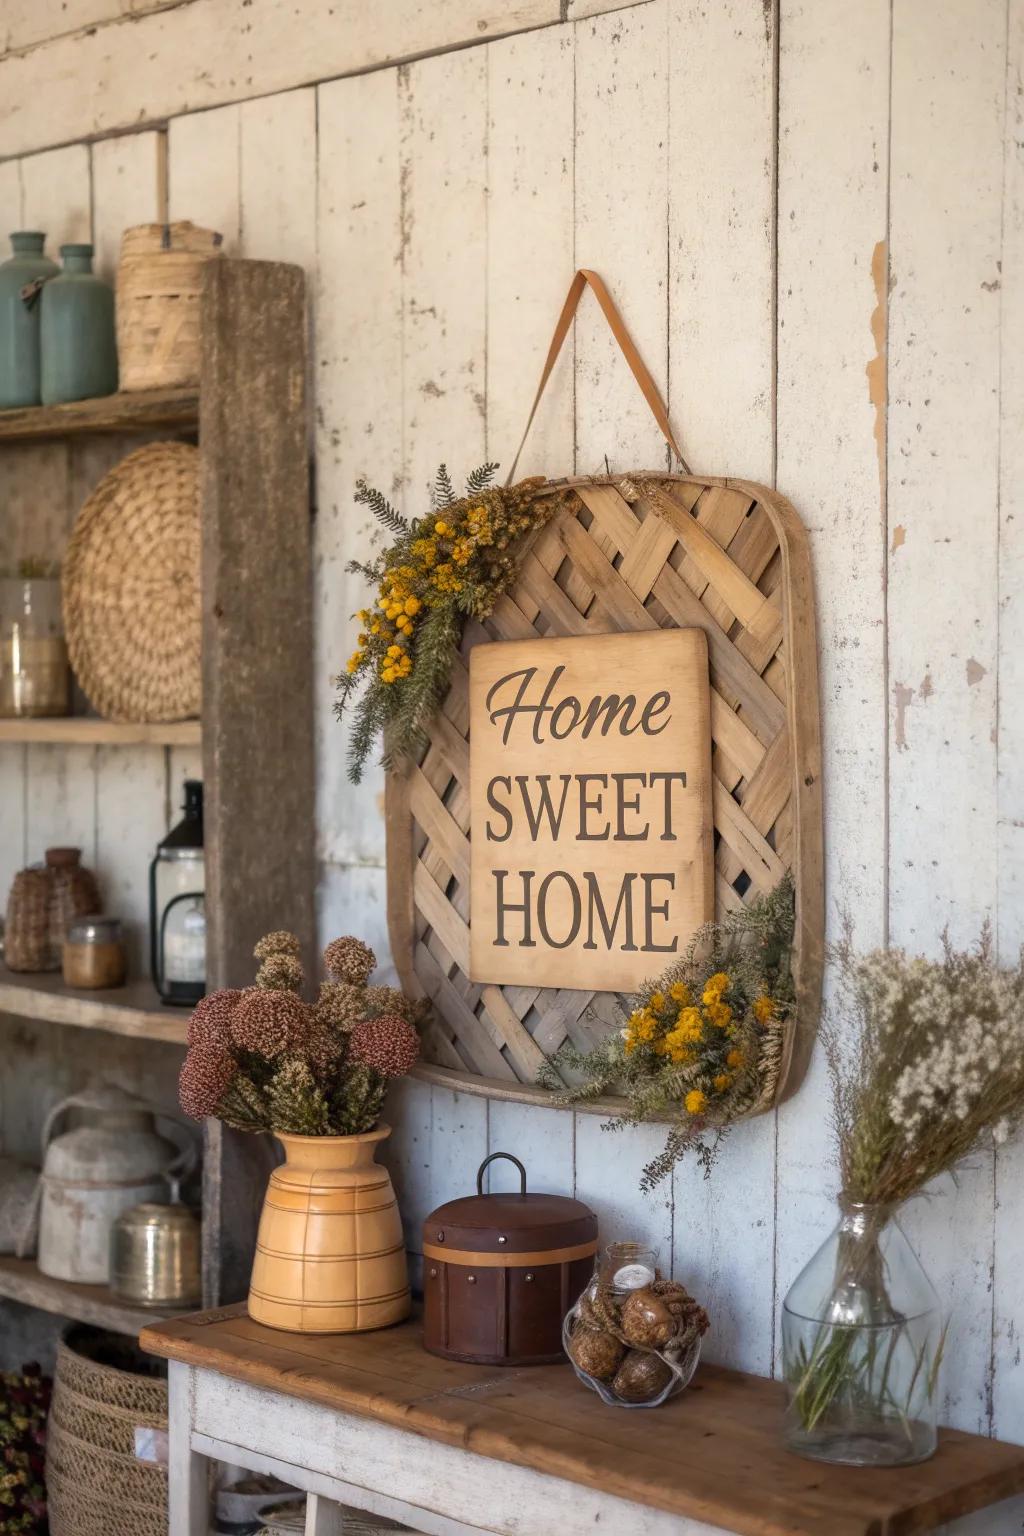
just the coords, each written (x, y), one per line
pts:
(43, 900)
(158, 283)
(105, 1391)
(131, 588)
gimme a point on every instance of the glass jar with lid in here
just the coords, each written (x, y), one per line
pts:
(93, 955)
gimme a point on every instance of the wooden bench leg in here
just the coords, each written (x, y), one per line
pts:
(323, 1517)
(188, 1472)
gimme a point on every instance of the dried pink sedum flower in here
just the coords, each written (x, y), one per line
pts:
(389, 1044)
(269, 1023)
(206, 1075)
(349, 959)
(211, 1017)
(280, 942)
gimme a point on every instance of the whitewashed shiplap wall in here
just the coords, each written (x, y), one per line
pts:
(813, 216)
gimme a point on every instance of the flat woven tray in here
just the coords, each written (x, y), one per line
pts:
(131, 588)
(647, 551)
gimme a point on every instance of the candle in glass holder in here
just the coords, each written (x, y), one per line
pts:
(631, 1265)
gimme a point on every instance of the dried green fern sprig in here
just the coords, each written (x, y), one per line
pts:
(381, 508)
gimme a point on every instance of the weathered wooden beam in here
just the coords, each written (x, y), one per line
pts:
(257, 680)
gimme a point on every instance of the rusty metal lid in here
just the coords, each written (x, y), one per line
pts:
(509, 1223)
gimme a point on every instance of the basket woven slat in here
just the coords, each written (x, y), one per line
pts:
(634, 553)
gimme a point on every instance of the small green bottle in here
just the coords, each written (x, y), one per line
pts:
(77, 338)
(19, 319)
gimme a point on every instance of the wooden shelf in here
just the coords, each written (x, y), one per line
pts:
(20, 1280)
(80, 731)
(131, 1010)
(141, 411)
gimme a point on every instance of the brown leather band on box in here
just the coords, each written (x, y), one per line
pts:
(505, 1260)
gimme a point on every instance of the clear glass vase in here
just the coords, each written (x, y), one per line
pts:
(862, 1346)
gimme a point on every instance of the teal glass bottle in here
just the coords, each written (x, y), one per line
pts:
(77, 338)
(19, 319)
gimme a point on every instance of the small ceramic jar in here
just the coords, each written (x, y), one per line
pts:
(94, 957)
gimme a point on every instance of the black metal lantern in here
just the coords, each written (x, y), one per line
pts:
(177, 907)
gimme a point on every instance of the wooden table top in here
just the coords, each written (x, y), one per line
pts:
(714, 1453)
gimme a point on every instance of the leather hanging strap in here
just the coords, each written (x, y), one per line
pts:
(648, 388)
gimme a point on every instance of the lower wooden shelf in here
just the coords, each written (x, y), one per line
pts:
(131, 1010)
(85, 731)
(20, 1280)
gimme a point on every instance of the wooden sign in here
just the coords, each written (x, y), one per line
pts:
(591, 818)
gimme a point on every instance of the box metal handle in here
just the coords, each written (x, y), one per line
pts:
(508, 1158)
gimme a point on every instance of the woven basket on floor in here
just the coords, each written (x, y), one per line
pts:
(131, 588)
(105, 1392)
(158, 285)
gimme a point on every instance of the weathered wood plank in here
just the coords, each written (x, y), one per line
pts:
(529, 209)
(721, 230)
(621, 230)
(56, 194)
(203, 178)
(20, 1280)
(258, 740)
(831, 154)
(393, 1396)
(144, 69)
(130, 1010)
(87, 730)
(144, 411)
(444, 264)
(357, 383)
(1008, 1278)
(278, 174)
(948, 82)
(127, 188)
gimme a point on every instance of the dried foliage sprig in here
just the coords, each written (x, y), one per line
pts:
(24, 1405)
(263, 1059)
(927, 1063)
(704, 1043)
(450, 564)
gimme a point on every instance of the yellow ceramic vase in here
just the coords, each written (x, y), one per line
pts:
(330, 1257)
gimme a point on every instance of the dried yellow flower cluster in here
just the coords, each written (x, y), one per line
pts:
(687, 1033)
(461, 547)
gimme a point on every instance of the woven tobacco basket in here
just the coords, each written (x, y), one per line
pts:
(635, 552)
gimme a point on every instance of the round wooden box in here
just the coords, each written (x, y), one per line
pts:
(501, 1272)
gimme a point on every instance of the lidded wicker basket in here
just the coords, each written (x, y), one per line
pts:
(158, 285)
(107, 1420)
(131, 588)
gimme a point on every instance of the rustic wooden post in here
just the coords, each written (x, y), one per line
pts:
(257, 683)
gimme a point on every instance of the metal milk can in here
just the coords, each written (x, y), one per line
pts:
(111, 1159)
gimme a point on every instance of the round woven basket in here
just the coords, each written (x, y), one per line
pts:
(108, 1406)
(159, 278)
(131, 588)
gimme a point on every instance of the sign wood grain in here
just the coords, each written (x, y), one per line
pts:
(591, 813)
